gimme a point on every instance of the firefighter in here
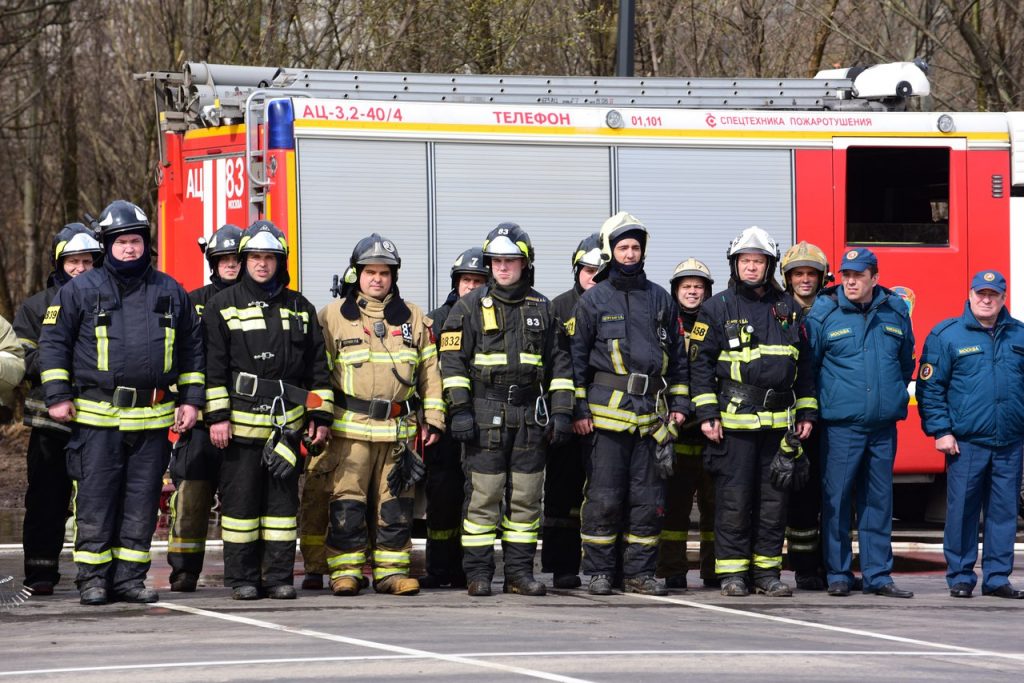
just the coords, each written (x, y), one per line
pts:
(12, 369)
(265, 365)
(75, 250)
(863, 345)
(805, 272)
(113, 341)
(970, 393)
(565, 475)
(196, 463)
(691, 286)
(630, 376)
(506, 385)
(385, 371)
(445, 479)
(751, 380)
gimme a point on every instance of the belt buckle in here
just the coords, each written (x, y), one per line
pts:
(379, 409)
(631, 381)
(246, 383)
(124, 397)
(512, 395)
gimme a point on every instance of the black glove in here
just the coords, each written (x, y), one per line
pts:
(463, 426)
(790, 468)
(312, 449)
(281, 453)
(664, 459)
(407, 472)
(561, 429)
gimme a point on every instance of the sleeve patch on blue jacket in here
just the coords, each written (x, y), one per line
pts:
(927, 370)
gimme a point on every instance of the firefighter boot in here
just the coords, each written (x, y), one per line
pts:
(479, 587)
(397, 584)
(524, 584)
(600, 584)
(247, 592)
(645, 584)
(184, 583)
(282, 592)
(772, 587)
(345, 585)
(677, 581)
(313, 582)
(97, 595)
(734, 587)
(138, 594)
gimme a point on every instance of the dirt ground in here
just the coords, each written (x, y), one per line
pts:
(13, 444)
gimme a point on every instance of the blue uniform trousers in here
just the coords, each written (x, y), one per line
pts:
(858, 462)
(981, 480)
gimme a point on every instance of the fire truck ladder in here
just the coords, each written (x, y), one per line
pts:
(208, 95)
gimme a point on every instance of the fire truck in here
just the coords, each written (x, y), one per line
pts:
(434, 161)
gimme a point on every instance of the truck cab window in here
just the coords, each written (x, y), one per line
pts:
(897, 196)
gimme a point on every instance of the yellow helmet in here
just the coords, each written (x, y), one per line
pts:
(804, 254)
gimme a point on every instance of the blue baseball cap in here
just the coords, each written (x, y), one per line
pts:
(858, 260)
(989, 279)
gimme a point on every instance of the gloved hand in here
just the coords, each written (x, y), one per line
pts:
(790, 467)
(312, 449)
(281, 453)
(463, 426)
(560, 429)
(664, 460)
(407, 472)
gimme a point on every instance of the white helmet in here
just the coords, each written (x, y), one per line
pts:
(754, 240)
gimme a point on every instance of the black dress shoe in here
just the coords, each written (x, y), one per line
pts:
(961, 590)
(839, 589)
(890, 590)
(97, 595)
(1004, 591)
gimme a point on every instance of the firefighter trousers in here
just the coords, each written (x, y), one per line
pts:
(445, 489)
(623, 495)
(858, 464)
(563, 497)
(359, 484)
(504, 470)
(258, 519)
(195, 470)
(117, 477)
(750, 513)
(689, 479)
(313, 518)
(46, 504)
(803, 522)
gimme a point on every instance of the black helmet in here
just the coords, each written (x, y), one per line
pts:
(376, 249)
(263, 236)
(511, 241)
(469, 262)
(224, 241)
(74, 238)
(120, 217)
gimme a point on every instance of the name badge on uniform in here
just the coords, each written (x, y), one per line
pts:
(451, 341)
(700, 330)
(51, 315)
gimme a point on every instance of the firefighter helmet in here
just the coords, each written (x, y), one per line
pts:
(469, 262)
(617, 227)
(263, 236)
(375, 249)
(691, 267)
(223, 242)
(72, 239)
(754, 240)
(588, 253)
(804, 254)
(508, 240)
(122, 216)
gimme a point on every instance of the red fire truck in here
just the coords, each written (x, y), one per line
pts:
(434, 161)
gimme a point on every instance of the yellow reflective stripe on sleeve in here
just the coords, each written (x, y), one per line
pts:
(169, 335)
(705, 400)
(806, 404)
(85, 557)
(731, 566)
(765, 562)
(678, 390)
(581, 392)
(490, 359)
(616, 357)
(598, 540)
(531, 359)
(191, 378)
(561, 384)
(55, 375)
(435, 404)
(28, 342)
(102, 347)
(455, 383)
(129, 555)
(428, 352)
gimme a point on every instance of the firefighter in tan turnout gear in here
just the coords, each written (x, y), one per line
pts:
(384, 372)
(499, 359)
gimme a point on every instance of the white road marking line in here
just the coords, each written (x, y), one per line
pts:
(483, 655)
(827, 627)
(532, 673)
